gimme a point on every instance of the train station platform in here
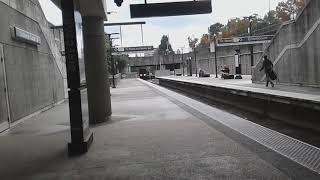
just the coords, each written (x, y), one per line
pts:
(155, 133)
(311, 94)
(293, 104)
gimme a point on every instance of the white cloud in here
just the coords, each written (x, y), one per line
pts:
(52, 13)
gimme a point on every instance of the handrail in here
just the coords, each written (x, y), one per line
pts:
(296, 45)
(289, 46)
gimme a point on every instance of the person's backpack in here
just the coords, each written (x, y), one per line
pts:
(273, 75)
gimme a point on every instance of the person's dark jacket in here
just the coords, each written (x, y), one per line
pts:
(267, 66)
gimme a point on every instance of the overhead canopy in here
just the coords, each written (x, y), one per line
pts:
(88, 7)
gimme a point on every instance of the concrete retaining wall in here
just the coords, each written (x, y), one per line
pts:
(131, 75)
(33, 75)
(161, 73)
(180, 71)
(33, 10)
(205, 59)
(295, 50)
(225, 56)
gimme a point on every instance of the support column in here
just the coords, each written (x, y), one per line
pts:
(97, 75)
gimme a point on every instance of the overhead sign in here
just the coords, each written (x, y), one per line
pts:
(25, 36)
(236, 41)
(170, 9)
(133, 49)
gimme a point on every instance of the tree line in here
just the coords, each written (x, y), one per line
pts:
(266, 25)
(285, 11)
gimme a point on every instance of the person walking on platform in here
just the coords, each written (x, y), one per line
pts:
(268, 69)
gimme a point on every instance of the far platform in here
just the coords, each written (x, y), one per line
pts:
(294, 105)
(307, 94)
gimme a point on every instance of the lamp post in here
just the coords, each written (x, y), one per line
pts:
(182, 61)
(251, 46)
(237, 64)
(193, 45)
(112, 66)
(215, 55)
(250, 18)
(112, 60)
(190, 65)
(195, 60)
(167, 52)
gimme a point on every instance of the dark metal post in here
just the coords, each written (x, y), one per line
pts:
(190, 66)
(251, 46)
(111, 56)
(238, 64)
(195, 60)
(182, 62)
(215, 56)
(81, 136)
(112, 62)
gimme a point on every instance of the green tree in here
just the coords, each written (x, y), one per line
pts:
(286, 9)
(205, 40)
(121, 63)
(239, 26)
(271, 17)
(235, 27)
(165, 46)
(260, 26)
(215, 28)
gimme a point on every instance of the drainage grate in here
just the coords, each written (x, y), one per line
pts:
(298, 151)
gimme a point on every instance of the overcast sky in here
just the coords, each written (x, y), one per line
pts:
(178, 28)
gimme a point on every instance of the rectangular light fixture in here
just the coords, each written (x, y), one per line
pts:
(170, 9)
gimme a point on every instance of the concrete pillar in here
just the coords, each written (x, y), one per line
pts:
(96, 73)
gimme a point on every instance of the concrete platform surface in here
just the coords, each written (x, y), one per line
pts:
(245, 84)
(150, 136)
